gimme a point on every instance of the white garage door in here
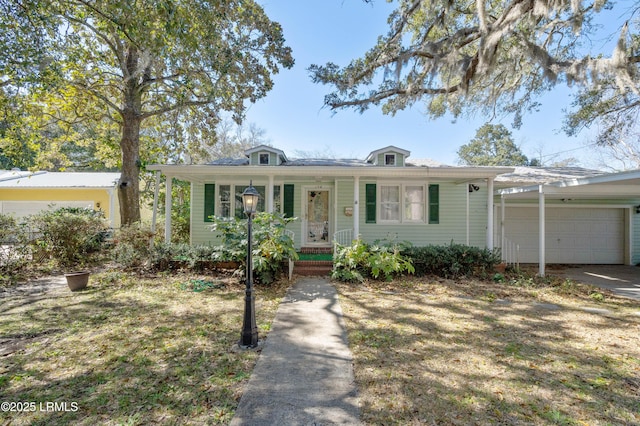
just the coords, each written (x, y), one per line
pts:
(25, 208)
(573, 235)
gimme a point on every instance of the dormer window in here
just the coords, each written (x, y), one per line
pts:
(264, 158)
(389, 159)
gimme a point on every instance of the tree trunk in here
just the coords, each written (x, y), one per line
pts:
(129, 184)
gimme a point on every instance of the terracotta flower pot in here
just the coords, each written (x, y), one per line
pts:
(77, 280)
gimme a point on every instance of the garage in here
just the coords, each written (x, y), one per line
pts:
(25, 208)
(579, 235)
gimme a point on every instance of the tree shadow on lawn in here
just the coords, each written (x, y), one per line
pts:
(127, 356)
(461, 360)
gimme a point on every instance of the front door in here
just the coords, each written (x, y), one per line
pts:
(317, 217)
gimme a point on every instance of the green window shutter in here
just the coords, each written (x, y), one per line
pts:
(434, 203)
(370, 203)
(209, 201)
(287, 201)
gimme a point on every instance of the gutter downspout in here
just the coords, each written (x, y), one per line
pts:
(490, 213)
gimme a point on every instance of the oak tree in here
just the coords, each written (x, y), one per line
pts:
(490, 56)
(144, 60)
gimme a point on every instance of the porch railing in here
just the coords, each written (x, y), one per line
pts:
(511, 253)
(289, 233)
(343, 237)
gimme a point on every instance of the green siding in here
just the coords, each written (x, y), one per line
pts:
(452, 225)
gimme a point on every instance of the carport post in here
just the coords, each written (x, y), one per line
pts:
(541, 231)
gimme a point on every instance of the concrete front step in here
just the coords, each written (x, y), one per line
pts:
(312, 267)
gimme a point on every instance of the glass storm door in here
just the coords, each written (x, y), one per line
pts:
(318, 217)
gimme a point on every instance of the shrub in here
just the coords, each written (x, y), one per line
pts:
(133, 245)
(453, 260)
(69, 235)
(14, 247)
(359, 260)
(270, 245)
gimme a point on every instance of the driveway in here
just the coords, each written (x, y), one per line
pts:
(621, 279)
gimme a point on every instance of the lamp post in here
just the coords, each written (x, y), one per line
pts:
(249, 336)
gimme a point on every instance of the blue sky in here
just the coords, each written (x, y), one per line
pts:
(294, 118)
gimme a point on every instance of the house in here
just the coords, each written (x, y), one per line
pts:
(23, 193)
(384, 196)
(575, 215)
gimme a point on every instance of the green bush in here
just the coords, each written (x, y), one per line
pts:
(14, 247)
(69, 235)
(360, 260)
(270, 243)
(133, 245)
(453, 260)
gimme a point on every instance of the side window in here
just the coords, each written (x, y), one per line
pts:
(414, 203)
(225, 200)
(390, 203)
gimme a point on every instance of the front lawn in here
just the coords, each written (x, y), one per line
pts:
(129, 351)
(159, 350)
(443, 352)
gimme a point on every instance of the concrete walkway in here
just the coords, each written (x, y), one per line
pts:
(304, 375)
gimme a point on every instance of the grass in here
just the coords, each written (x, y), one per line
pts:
(130, 351)
(158, 350)
(470, 352)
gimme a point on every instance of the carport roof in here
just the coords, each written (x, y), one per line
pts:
(608, 185)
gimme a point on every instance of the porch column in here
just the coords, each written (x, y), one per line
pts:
(167, 211)
(356, 207)
(490, 213)
(502, 210)
(270, 195)
(541, 231)
(155, 202)
(467, 217)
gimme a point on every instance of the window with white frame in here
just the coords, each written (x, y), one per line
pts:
(263, 158)
(402, 203)
(230, 199)
(389, 159)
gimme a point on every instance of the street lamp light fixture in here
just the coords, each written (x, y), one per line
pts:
(249, 335)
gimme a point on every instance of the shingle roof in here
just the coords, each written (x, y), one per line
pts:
(540, 175)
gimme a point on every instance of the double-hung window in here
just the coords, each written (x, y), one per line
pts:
(402, 203)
